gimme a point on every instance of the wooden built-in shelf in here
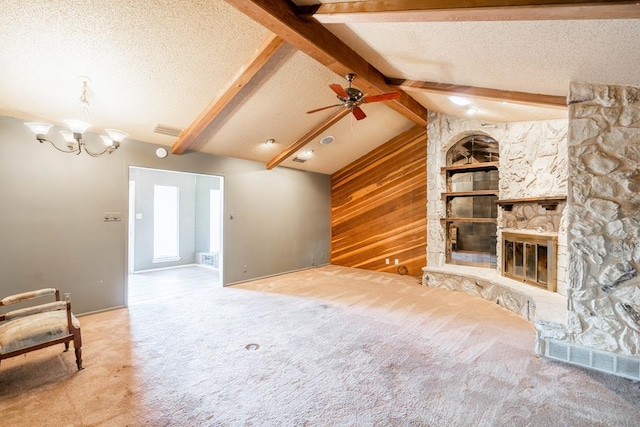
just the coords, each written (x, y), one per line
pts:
(487, 220)
(549, 203)
(471, 193)
(470, 167)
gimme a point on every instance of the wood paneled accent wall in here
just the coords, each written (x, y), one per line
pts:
(379, 207)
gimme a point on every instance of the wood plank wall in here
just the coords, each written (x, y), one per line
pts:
(379, 207)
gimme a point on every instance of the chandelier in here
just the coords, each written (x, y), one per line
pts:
(77, 127)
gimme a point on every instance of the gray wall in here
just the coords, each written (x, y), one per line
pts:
(52, 232)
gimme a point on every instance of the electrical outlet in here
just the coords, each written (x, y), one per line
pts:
(387, 261)
(112, 216)
(397, 261)
(244, 268)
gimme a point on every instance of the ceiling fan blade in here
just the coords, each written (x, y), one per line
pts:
(382, 97)
(358, 113)
(339, 90)
(323, 108)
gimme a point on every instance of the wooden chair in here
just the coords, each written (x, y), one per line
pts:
(38, 326)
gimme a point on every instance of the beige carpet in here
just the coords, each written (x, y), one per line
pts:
(338, 347)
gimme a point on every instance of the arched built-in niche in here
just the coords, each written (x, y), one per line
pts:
(472, 182)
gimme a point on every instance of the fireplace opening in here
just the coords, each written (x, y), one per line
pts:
(530, 259)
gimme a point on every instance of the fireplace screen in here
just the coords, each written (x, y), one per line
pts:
(530, 258)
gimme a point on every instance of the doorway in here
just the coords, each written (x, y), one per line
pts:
(175, 223)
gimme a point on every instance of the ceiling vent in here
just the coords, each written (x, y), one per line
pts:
(168, 130)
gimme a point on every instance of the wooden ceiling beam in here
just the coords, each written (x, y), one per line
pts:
(480, 92)
(309, 36)
(304, 140)
(465, 10)
(263, 53)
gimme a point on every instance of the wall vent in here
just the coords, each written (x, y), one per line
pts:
(205, 258)
(604, 361)
(168, 130)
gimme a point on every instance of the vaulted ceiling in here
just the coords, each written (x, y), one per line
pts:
(234, 74)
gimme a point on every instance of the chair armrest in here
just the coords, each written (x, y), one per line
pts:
(28, 295)
(29, 311)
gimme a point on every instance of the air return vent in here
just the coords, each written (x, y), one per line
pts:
(168, 130)
(604, 361)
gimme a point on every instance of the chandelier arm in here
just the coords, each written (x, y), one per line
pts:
(98, 154)
(62, 150)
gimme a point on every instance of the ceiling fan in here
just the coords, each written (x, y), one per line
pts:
(351, 98)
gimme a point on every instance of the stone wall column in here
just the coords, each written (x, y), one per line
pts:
(603, 218)
(436, 185)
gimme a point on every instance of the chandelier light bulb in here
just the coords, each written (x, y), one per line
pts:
(68, 136)
(116, 135)
(39, 128)
(107, 141)
(77, 126)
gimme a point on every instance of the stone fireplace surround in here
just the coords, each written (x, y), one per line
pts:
(532, 165)
(594, 159)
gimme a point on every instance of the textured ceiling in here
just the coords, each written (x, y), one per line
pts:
(526, 56)
(150, 61)
(162, 62)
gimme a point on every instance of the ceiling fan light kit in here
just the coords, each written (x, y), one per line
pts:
(77, 127)
(351, 98)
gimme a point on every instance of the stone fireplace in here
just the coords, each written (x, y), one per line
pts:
(524, 178)
(566, 186)
(526, 182)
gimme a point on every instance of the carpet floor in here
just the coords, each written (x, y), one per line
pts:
(329, 346)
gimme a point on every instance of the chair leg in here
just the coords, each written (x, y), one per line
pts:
(66, 346)
(79, 358)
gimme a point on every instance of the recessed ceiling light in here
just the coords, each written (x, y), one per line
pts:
(326, 140)
(459, 100)
(270, 141)
(306, 154)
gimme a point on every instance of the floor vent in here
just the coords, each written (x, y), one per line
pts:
(604, 361)
(168, 130)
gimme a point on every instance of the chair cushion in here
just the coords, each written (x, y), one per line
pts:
(32, 330)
